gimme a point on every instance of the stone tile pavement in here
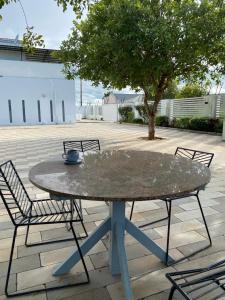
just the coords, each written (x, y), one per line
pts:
(27, 146)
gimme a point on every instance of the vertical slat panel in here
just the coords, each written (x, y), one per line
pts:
(63, 111)
(24, 111)
(51, 110)
(39, 111)
(10, 111)
(221, 107)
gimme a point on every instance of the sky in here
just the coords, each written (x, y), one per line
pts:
(46, 17)
(49, 20)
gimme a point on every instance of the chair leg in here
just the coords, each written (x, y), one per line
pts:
(14, 294)
(203, 217)
(171, 292)
(197, 251)
(82, 222)
(167, 207)
(131, 212)
(160, 220)
(144, 225)
(10, 262)
(168, 229)
(66, 225)
(45, 242)
(80, 253)
(27, 233)
(80, 208)
(61, 240)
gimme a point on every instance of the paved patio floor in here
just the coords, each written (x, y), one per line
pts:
(33, 266)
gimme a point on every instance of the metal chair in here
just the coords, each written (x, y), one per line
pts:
(195, 155)
(81, 146)
(25, 212)
(199, 283)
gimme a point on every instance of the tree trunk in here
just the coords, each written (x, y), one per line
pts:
(151, 126)
(151, 111)
(151, 116)
(152, 108)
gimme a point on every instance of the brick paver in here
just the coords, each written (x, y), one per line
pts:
(27, 146)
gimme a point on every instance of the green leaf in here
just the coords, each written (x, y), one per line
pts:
(32, 40)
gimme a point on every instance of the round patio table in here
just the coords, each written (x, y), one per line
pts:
(118, 177)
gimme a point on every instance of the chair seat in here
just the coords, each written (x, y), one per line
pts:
(199, 283)
(191, 194)
(49, 211)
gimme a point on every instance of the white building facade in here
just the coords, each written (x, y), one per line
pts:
(33, 89)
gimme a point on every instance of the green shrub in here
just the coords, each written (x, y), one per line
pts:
(172, 123)
(195, 123)
(126, 113)
(130, 117)
(182, 123)
(198, 123)
(219, 126)
(138, 121)
(202, 124)
(162, 121)
(142, 112)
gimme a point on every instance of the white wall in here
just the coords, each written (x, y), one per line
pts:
(14, 68)
(11, 55)
(110, 112)
(33, 82)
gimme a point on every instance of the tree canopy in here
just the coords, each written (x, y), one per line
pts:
(145, 44)
(191, 90)
(178, 38)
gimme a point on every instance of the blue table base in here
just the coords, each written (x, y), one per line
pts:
(116, 224)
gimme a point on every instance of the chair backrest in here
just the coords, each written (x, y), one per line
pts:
(200, 156)
(82, 146)
(13, 192)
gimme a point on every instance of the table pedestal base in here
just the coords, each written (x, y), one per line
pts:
(116, 224)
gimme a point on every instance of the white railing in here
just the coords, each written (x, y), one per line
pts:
(220, 107)
(91, 111)
(193, 107)
(212, 106)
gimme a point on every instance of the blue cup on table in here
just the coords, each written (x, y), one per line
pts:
(71, 155)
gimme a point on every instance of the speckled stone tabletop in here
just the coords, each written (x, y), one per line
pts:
(121, 175)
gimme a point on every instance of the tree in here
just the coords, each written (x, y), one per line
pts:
(171, 91)
(146, 45)
(191, 90)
